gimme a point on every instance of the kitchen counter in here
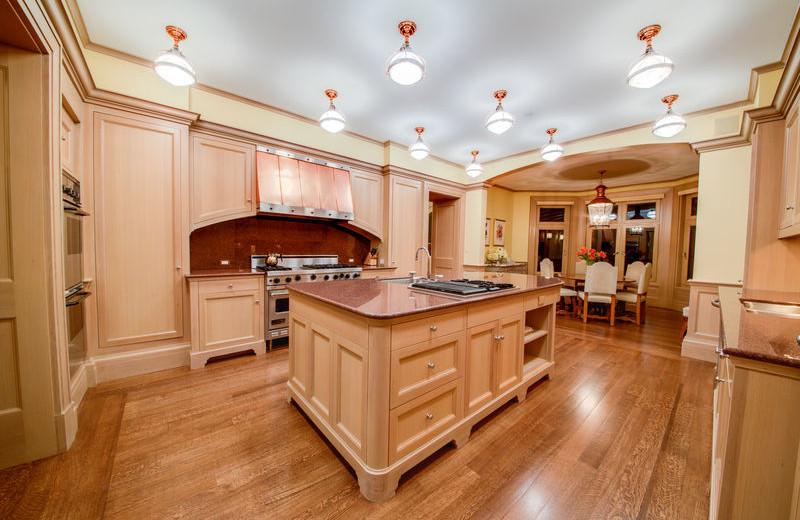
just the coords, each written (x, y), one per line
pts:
(381, 299)
(761, 337)
(223, 272)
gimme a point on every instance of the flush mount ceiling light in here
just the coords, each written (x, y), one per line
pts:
(173, 66)
(551, 151)
(405, 66)
(474, 168)
(332, 120)
(500, 120)
(670, 124)
(419, 150)
(652, 67)
(601, 207)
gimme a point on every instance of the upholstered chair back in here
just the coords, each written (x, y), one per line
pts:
(580, 267)
(644, 280)
(546, 268)
(601, 277)
(634, 270)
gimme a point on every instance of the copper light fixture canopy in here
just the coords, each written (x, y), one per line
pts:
(419, 150)
(474, 168)
(551, 151)
(405, 66)
(652, 67)
(601, 207)
(670, 124)
(171, 65)
(332, 119)
(500, 120)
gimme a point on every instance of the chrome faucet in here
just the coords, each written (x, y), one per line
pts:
(416, 259)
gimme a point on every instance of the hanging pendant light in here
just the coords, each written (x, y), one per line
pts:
(332, 120)
(551, 151)
(670, 124)
(173, 66)
(474, 168)
(500, 120)
(419, 150)
(405, 66)
(652, 67)
(601, 207)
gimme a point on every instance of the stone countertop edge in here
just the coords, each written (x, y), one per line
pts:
(770, 339)
(222, 273)
(334, 293)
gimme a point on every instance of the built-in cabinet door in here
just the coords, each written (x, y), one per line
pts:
(790, 201)
(405, 223)
(368, 201)
(230, 318)
(480, 365)
(508, 362)
(140, 165)
(319, 393)
(722, 412)
(445, 238)
(69, 143)
(299, 352)
(349, 410)
(222, 180)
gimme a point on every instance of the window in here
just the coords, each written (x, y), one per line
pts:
(689, 231)
(606, 240)
(552, 214)
(641, 211)
(639, 244)
(551, 224)
(551, 245)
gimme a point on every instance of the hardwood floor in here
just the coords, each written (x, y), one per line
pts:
(622, 430)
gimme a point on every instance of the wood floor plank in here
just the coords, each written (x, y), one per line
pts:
(622, 429)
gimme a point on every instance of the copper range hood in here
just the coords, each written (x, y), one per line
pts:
(298, 186)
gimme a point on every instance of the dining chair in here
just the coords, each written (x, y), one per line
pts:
(633, 270)
(548, 271)
(580, 267)
(639, 298)
(546, 268)
(600, 287)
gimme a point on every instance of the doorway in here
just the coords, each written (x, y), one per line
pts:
(444, 239)
(552, 223)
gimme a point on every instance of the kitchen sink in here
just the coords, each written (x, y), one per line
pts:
(773, 309)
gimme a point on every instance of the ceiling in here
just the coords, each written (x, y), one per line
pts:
(563, 63)
(639, 164)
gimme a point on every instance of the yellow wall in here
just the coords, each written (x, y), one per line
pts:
(474, 219)
(722, 201)
(500, 205)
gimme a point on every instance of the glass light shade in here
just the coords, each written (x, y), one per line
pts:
(405, 66)
(551, 151)
(600, 213)
(668, 125)
(174, 68)
(499, 121)
(419, 150)
(332, 120)
(474, 168)
(649, 69)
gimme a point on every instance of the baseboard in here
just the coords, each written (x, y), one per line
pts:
(66, 426)
(117, 366)
(78, 385)
(697, 349)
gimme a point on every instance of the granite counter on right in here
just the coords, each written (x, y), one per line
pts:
(756, 446)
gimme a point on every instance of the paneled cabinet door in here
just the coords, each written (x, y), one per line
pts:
(349, 411)
(790, 192)
(70, 141)
(405, 223)
(480, 365)
(368, 201)
(508, 364)
(222, 180)
(321, 355)
(140, 165)
(230, 318)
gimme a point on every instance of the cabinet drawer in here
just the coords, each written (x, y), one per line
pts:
(484, 312)
(420, 368)
(229, 284)
(416, 422)
(539, 300)
(409, 333)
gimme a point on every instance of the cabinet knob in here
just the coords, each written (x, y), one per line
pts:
(178, 267)
(63, 137)
(797, 340)
(718, 379)
(249, 200)
(258, 301)
(789, 207)
(429, 416)
(497, 338)
(230, 285)
(434, 328)
(431, 365)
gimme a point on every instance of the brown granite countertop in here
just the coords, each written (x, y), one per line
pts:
(216, 273)
(380, 299)
(771, 339)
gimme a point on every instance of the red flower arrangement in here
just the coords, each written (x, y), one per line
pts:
(591, 255)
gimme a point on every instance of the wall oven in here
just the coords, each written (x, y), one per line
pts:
(277, 310)
(74, 293)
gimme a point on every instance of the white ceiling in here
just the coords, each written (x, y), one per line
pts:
(562, 62)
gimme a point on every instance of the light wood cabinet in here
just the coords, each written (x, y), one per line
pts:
(368, 202)
(140, 180)
(227, 316)
(222, 180)
(405, 222)
(70, 143)
(789, 223)
(422, 367)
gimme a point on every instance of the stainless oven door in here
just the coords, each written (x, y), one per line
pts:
(73, 258)
(277, 309)
(76, 332)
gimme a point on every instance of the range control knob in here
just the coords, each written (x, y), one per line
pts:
(276, 280)
(326, 277)
(297, 278)
(288, 279)
(356, 275)
(313, 277)
(336, 277)
(347, 276)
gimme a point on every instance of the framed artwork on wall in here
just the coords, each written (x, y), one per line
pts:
(499, 232)
(487, 232)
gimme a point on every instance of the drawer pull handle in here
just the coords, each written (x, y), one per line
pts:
(434, 328)
(429, 416)
(230, 285)
(500, 337)
(431, 365)
(718, 379)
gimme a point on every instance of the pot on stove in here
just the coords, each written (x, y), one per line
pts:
(272, 258)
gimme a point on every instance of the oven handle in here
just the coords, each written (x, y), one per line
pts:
(77, 298)
(280, 292)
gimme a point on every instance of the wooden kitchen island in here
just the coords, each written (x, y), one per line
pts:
(390, 374)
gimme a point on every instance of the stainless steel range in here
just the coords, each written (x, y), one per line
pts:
(294, 269)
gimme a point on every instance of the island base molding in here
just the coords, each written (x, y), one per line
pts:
(702, 333)
(379, 485)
